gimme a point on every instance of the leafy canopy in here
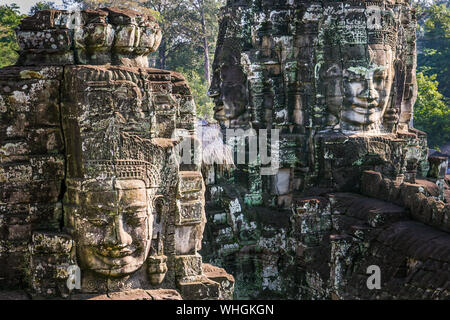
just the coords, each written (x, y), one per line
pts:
(9, 19)
(432, 112)
(434, 44)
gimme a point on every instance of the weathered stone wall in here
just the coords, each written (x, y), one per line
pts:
(320, 74)
(421, 199)
(321, 249)
(337, 80)
(32, 162)
(89, 173)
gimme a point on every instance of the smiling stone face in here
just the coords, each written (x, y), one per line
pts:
(229, 91)
(358, 95)
(114, 228)
(89, 156)
(357, 87)
(113, 171)
(367, 90)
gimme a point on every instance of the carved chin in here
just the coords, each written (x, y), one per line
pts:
(224, 112)
(109, 266)
(118, 272)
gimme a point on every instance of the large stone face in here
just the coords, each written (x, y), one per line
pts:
(332, 85)
(89, 172)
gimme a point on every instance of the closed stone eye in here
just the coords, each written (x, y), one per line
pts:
(98, 222)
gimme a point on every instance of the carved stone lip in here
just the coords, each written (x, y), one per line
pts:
(220, 117)
(115, 253)
(364, 109)
(362, 104)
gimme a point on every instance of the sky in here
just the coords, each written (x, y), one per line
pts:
(25, 5)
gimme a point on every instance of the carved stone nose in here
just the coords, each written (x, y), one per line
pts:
(369, 92)
(121, 236)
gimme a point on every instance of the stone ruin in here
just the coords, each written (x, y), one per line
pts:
(332, 84)
(92, 186)
(94, 202)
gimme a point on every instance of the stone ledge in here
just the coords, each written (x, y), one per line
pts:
(138, 294)
(414, 197)
(223, 278)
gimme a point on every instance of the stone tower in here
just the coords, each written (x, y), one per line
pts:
(94, 198)
(330, 85)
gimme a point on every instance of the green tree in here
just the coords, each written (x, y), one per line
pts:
(190, 29)
(434, 43)
(432, 112)
(187, 23)
(199, 87)
(9, 19)
(42, 5)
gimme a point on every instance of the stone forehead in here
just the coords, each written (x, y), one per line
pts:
(122, 170)
(348, 21)
(129, 184)
(53, 19)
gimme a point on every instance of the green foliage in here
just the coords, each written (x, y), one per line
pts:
(432, 111)
(199, 88)
(42, 5)
(434, 44)
(438, 22)
(9, 19)
(181, 25)
(185, 26)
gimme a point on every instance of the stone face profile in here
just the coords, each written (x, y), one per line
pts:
(89, 172)
(331, 85)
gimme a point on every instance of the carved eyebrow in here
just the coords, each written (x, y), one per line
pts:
(358, 70)
(136, 205)
(100, 207)
(136, 212)
(103, 220)
(91, 217)
(363, 71)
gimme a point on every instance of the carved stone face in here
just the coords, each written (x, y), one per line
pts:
(358, 95)
(367, 90)
(229, 87)
(229, 91)
(114, 228)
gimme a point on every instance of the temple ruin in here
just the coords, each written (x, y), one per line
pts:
(332, 83)
(91, 186)
(96, 203)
